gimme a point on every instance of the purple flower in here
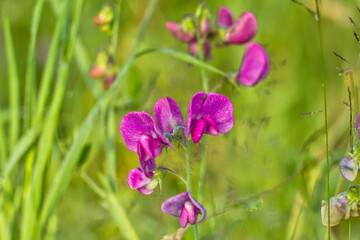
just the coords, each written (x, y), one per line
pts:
(179, 33)
(141, 135)
(167, 115)
(240, 31)
(194, 49)
(349, 168)
(357, 125)
(255, 65)
(210, 113)
(137, 179)
(187, 206)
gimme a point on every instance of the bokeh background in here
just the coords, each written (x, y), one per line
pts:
(273, 148)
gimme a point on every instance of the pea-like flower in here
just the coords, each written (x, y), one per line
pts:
(349, 168)
(238, 32)
(142, 136)
(188, 207)
(194, 49)
(138, 179)
(255, 65)
(184, 31)
(342, 206)
(210, 113)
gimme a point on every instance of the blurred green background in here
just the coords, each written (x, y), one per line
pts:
(271, 147)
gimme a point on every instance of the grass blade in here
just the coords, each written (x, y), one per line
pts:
(30, 63)
(47, 136)
(13, 80)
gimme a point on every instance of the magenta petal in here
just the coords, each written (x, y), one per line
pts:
(167, 115)
(176, 203)
(148, 166)
(357, 125)
(151, 146)
(224, 18)
(349, 168)
(195, 111)
(198, 130)
(220, 110)
(255, 65)
(243, 30)
(133, 126)
(137, 179)
(211, 129)
(145, 191)
(176, 30)
(184, 216)
(192, 212)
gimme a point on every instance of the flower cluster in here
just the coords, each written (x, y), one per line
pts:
(227, 31)
(345, 204)
(105, 67)
(209, 113)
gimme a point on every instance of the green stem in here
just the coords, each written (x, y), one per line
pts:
(3, 147)
(115, 32)
(202, 170)
(174, 173)
(47, 76)
(318, 17)
(13, 80)
(349, 228)
(188, 166)
(185, 58)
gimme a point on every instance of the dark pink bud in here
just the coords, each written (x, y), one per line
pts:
(188, 207)
(194, 49)
(243, 30)
(255, 65)
(177, 31)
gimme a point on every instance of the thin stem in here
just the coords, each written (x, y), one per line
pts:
(350, 131)
(202, 169)
(174, 173)
(3, 146)
(115, 31)
(318, 18)
(93, 186)
(188, 167)
(349, 228)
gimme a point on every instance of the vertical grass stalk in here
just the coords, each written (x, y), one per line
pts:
(318, 18)
(30, 64)
(46, 139)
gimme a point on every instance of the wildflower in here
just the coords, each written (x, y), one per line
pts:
(342, 206)
(142, 136)
(210, 113)
(255, 65)
(189, 208)
(349, 168)
(104, 19)
(98, 70)
(238, 32)
(137, 179)
(185, 31)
